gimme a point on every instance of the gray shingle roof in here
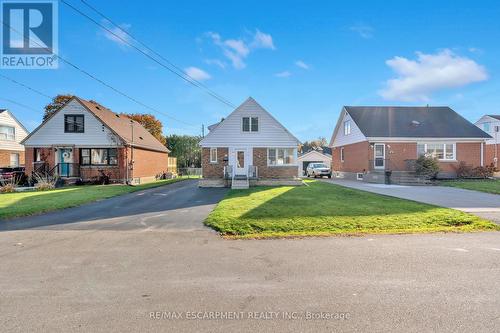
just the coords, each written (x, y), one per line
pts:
(413, 122)
(496, 116)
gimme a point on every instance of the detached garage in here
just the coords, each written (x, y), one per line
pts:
(313, 156)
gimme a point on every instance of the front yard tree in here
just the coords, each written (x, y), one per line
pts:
(56, 104)
(151, 123)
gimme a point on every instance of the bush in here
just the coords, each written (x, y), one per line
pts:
(467, 171)
(44, 182)
(427, 166)
(8, 188)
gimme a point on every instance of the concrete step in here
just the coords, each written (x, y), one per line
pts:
(240, 184)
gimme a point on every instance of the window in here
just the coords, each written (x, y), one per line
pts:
(347, 127)
(74, 123)
(7, 133)
(486, 127)
(14, 160)
(341, 154)
(37, 154)
(98, 156)
(250, 124)
(213, 155)
(281, 156)
(441, 151)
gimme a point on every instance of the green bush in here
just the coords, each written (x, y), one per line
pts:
(427, 166)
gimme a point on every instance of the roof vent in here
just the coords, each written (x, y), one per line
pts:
(415, 123)
(117, 115)
(141, 138)
(97, 107)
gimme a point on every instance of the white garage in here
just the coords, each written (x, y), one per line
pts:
(312, 156)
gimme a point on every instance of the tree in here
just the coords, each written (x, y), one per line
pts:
(314, 144)
(186, 149)
(56, 104)
(153, 125)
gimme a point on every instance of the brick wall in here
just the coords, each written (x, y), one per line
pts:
(356, 157)
(213, 170)
(272, 172)
(148, 163)
(46, 154)
(5, 157)
(489, 154)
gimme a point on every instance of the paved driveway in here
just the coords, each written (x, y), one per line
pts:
(478, 203)
(105, 268)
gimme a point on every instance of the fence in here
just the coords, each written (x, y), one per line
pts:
(189, 172)
(172, 164)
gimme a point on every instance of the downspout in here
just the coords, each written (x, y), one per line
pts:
(482, 154)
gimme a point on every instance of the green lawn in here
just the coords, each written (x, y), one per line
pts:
(34, 202)
(325, 209)
(484, 185)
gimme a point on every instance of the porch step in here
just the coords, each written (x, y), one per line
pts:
(239, 184)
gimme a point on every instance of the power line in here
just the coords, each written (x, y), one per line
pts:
(96, 79)
(19, 104)
(175, 70)
(25, 86)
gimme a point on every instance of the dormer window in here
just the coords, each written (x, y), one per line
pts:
(74, 123)
(250, 124)
(347, 127)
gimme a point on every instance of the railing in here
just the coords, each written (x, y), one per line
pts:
(41, 167)
(385, 164)
(65, 170)
(253, 172)
(228, 172)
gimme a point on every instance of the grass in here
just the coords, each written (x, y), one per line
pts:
(483, 185)
(325, 209)
(35, 202)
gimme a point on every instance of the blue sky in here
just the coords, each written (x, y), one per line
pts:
(301, 60)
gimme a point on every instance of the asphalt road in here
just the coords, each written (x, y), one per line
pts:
(108, 272)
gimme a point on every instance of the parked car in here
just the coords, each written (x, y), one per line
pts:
(13, 174)
(318, 170)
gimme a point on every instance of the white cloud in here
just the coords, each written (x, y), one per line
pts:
(417, 79)
(302, 64)
(216, 62)
(365, 31)
(283, 74)
(116, 34)
(197, 73)
(262, 40)
(237, 50)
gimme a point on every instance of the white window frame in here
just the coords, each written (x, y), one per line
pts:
(444, 159)
(7, 137)
(342, 157)
(294, 156)
(487, 127)
(211, 155)
(250, 123)
(16, 159)
(347, 127)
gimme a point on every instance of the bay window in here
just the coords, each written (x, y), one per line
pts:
(280, 156)
(98, 156)
(441, 151)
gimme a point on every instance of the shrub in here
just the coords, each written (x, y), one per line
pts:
(467, 171)
(44, 182)
(8, 188)
(427, 166)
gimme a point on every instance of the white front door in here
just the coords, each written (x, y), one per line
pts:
(240, 162)
(379, 156)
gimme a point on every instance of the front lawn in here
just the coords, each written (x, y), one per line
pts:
(483, 185)
(325, 209)
(34, 202)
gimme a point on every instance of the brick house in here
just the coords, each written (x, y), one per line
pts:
(12, 132)
(491, 125)
(84, 139)
(367, 141)
(249, 147)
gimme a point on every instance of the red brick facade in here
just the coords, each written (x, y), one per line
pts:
(490, 151)
(358, 157)
(147, 164)
(5, 157)
(213, 170)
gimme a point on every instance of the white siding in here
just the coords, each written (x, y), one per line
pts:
(355, 136)
(229, 133)
(52, 132)
(493, 122)
(7, 119)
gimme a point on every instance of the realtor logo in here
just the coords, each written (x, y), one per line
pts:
(29, 34)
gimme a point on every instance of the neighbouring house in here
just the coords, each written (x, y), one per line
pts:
(12, 132)
(313, 155)
(491, 125)
(368, 141)
(83, 140)
(249, 147)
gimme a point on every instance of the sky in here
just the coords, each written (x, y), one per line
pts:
(301, 60)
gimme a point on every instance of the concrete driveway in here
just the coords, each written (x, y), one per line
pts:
(478, 203)
(144, 262)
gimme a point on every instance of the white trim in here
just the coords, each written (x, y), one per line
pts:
(375, 156)
(347, 127)
(482, 153)
(249, 124)
(211, 160)
(294, 153)
(342, 157)
(454, 159)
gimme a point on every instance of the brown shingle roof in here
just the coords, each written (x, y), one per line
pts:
(122, 127)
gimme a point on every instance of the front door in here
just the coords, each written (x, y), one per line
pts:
(379, 156)
(240, 167)
(65, 162)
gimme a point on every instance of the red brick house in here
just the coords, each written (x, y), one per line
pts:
(491, 125)
(84, 139)
(249, 147)
(367, 141)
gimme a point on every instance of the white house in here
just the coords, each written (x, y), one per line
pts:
(12, 132)
(491, 125)
(249, 147)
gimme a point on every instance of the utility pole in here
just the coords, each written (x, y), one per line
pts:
(132, 150)
(202, 130)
